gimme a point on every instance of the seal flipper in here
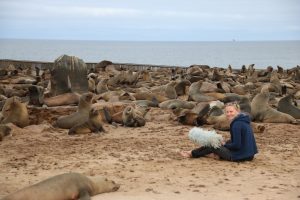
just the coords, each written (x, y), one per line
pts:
(84, 195)
(107, 115)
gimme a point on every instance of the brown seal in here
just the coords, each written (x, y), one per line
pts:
(65, 186)
(181, 86)
(150, 96)
(91, 85)
(132, 117)
(36, 95)
(196, 95)
(16, 112)
(80, 116)
(285, 105)
(4, 131)
(102, 86)
(114, 96)
(274, 85)
(194, 117)
(262, 112)
(167, 90)
(93, 125)
(176, 103)
(62, 99)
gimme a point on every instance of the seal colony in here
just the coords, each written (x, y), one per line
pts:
(194, 95)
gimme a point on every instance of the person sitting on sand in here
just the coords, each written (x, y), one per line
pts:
(241, 147)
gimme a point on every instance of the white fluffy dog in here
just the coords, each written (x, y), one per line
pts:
(205, 137)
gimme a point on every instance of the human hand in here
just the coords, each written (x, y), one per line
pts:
(186, 154)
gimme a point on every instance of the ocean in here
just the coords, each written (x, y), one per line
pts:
(214, 54)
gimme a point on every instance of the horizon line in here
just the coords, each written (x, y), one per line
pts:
(232, 40)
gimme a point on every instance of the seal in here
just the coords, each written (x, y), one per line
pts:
(65, 186)
(132, 117)
(195, 94)
(176, 103)
(93, 125)
(62, 99)
(262, 112)
(167, 90)
(181, 86)
(274, 85)
(91, 85)
(4, 131)
(285, 105)
(80, 116)
(194, 117)
(16, 112)
(36, 95)
(217, 118)
(102, 86)
(150, 96)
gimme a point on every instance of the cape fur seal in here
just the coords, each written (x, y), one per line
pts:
(4, 131)
(80, 116)
(36, 95)
(176, 103)
(16, 112)
(93, 124)
(285, 105)
(63, 99)
(167, 90)
(102, 86)
(132, 117)
(195, 94)
(150, 96)
(262, 112)
(65, 186)
(195, 117)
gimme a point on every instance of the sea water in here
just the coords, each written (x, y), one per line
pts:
(214, 54)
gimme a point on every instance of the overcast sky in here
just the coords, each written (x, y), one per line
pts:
(154, 20)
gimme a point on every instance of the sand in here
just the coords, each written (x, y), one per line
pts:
(146, 163)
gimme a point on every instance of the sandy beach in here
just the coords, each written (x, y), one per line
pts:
(145, 161)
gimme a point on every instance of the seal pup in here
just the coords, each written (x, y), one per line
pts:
(80, 116)
(65, 186)
(285, 105)
(261, 111)
(93, 125)
(16, 112)
(132, 117)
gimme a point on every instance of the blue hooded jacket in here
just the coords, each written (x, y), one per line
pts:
(242, 144)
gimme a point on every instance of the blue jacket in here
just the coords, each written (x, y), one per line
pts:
(242, 144)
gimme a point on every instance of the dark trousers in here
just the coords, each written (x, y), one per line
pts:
(222, 152)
